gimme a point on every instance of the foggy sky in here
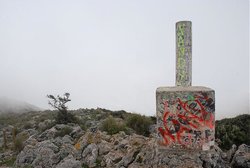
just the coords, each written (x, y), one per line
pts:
(114, 54)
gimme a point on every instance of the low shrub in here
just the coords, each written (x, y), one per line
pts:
(19, 140)
(64, 117)
(119, 114)
(8, 162)
(233, 131)
(27, 125)
(139, 123)
(47, 126)
(111, 126)
(64, 131)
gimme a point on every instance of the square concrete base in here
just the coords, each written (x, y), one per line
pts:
(185, 117)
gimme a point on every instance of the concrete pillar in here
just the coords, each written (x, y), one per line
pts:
(183, 53)
(185, 113)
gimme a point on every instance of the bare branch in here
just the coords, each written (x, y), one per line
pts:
(59, 102)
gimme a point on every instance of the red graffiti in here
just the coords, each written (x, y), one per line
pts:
(186, 118)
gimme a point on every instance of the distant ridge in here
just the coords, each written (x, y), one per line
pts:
(8, 105)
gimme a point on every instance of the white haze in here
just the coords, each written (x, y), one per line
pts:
(114, 54)
(14, 106)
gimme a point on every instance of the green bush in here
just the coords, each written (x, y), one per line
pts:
(8, 162)
(119, 114)
(64, 117)
(85, 165)
(1, 149)
(139, 123)
(111, 126)
(48, 126)
(64, 131)
(19, 140)
(27, 125)
(233, 131)
(18, 145)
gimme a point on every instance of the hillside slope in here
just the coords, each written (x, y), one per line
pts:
(14, 106)
(102, 138)
(233, 131)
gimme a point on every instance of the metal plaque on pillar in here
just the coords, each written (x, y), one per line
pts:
(185, 113)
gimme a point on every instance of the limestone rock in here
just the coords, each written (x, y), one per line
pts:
(26, 156)
(97, 149)
(90, 154)
(128, 158)
(241, 158)
(42, 154)
(30, 132)
(112, 158)
(104, 147)
(45, 124)
(69, 162)
(67, 149)
(231, 152)
(67, 140)
(76, 132)
(58, 129)
(48, 134)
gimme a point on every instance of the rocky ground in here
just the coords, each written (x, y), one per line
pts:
(72, 146)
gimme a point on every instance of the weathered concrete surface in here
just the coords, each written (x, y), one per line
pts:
(184, 53)
(185, 117)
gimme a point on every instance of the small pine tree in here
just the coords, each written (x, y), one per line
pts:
(63, 116)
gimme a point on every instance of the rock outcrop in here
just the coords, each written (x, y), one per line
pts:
(98, 149)
(241, 157)
(35, 140)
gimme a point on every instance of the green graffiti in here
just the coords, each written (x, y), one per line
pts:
(181, 51)
(181, 59)
(190, 97)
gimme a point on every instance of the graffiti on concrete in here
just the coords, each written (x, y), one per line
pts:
(187, 121)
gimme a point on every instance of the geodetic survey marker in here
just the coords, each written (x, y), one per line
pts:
(185, 113)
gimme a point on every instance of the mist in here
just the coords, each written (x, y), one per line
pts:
(114, 54)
